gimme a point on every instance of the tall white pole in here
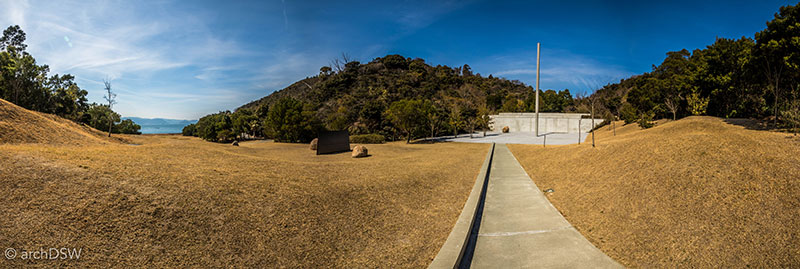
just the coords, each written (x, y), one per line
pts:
(538, 50)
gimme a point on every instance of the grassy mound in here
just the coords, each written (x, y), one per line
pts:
(694, 192)
(175, 201)
(19, 125)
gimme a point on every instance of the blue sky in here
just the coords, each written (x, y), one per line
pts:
(185, 59)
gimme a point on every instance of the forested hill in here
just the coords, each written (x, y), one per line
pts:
(393, 96)
(384, 80)
(390, 96)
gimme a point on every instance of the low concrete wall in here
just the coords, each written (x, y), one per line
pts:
(451, 253)
(548, 122)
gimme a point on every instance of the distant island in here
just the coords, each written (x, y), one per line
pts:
(160, 125)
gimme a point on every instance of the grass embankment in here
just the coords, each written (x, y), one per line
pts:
(697, 192)
(19, 125)
(175, 201)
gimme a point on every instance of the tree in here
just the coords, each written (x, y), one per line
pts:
(289, 120)
(395, 61)
(512, 104)
(483, 119)
(697, 104)
(100, 116)
(325, 70)
(189, 130)
(628, 113)
(778, 49)
(407, 115)
(14, 37)
(434, 116)
(593, 101)
(338, 64)
(244, 121)
(215, 127)
(673, 104)
(110, 96)
(792, 117)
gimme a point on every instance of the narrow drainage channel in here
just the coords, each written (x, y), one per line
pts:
(469, 250)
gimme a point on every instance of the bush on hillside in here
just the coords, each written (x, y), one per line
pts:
(210, 126)
(645, 120)
(127, 127)
(189, 130)
(792, 117)
(98, 116)
(367, 139)
(628, 113)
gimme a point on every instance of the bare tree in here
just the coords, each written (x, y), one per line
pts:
(673, 104)
(110, 98)
(773, 74)
(593, 99)
(339, 63)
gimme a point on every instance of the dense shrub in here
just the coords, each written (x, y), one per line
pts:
(645, 120)
(127, 127)
(97, 116)
(210, 126)
(395, 61)
(189, 130)
(367, 139)
(628, 113)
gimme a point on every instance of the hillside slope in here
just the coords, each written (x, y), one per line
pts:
(358, 96)
(696, 192)
(19, 125)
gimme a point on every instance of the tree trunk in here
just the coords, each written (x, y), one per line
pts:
(593, 124)
(775, 121)
(110, 124)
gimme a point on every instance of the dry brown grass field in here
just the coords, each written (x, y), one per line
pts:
(697, 192)
(173, 201)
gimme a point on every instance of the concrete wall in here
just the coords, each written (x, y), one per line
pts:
(548, 122)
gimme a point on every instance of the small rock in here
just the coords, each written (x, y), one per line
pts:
(549, 190)
(360, 151)
(235, 143)
(314, 144)
(505, 129)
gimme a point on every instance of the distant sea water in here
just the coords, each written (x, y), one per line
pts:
(160, 126)
(162, 129)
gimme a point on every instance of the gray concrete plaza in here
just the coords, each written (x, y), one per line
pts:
(518, 138)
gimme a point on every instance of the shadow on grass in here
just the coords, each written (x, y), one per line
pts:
(751, 124)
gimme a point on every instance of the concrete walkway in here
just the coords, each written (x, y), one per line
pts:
(521, 229)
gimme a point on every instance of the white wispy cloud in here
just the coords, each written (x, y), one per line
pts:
(560, 69)
(133, 44)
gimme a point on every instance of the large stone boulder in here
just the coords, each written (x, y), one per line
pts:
(235, 143)
(505, 129)
(314, 144)
(360, 151)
